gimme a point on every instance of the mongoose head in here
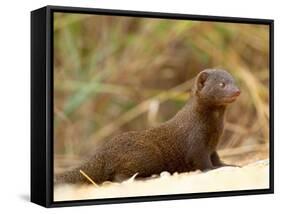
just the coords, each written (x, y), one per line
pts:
(216, 87)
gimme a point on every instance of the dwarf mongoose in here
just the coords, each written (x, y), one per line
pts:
(186, 142)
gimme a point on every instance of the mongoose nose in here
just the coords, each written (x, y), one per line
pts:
(237, 92)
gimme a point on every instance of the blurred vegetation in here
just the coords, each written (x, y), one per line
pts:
(115, 74)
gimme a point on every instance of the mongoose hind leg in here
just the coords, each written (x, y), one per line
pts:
(139, 163)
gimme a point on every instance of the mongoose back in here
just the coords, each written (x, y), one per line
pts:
(186, 142)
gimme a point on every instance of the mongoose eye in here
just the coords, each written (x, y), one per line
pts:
(222, 84)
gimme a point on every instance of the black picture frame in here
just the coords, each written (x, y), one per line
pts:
(42, 104)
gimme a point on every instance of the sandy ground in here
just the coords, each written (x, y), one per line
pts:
(254, 174)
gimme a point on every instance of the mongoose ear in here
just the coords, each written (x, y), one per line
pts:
(201, 79)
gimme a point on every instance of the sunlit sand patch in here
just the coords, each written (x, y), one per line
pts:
(251, 176)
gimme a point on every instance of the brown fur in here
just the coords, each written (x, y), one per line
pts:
(186, 142)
